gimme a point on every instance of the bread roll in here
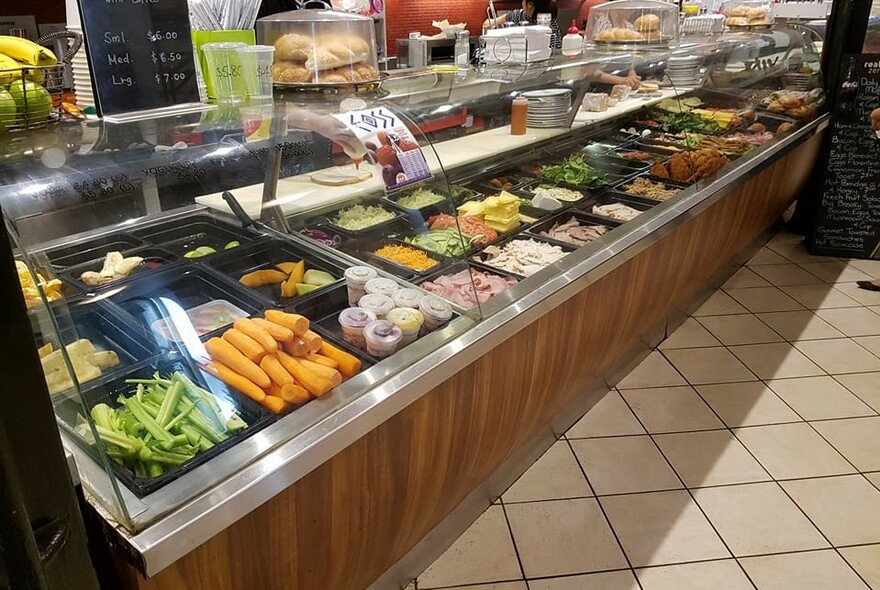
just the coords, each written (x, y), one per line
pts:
(293, 47)
(288, 71)
(757, 14)
(647, 23)
(736, 21)
(739, 11)
(605, 35)
(334, 52)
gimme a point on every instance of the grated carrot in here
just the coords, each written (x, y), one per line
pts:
(409, 257)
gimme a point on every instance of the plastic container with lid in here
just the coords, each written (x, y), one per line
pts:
(382, 286)
(407, 297)
(409, 320)
(356, 278)
(352, 320)
(624, 23)
(437, 312)
(382, 338)
(321, 47)
(378, 304)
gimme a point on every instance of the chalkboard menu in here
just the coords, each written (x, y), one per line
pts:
(848, 217)
(140, 54)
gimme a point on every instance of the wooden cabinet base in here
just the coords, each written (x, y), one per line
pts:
(351, 519)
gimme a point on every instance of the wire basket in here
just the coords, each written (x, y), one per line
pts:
(37, 90)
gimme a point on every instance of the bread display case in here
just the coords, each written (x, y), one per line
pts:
(320, 47)
(622, 23)
(225, 324)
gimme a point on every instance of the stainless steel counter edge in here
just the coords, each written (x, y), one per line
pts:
(208, 514)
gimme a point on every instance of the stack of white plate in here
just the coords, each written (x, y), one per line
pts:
(549, 107)
(684, 71)
(82, 78)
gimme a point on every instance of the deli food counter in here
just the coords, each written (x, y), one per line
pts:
(286, 342)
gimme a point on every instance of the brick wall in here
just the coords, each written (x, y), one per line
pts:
(405, 16)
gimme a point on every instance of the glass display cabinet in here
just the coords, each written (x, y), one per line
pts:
(214, 295)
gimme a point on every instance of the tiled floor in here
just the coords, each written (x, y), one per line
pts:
(743, 454)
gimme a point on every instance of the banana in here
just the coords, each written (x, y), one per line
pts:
(10, 70)
(26, 51)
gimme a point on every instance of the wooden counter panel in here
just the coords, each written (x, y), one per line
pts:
(344, 524)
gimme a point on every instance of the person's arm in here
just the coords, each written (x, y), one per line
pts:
(631, 79)
(325, 125)
(502, 18)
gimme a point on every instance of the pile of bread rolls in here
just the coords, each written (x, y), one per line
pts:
(745, 16)
(645, 28)
(330, 59)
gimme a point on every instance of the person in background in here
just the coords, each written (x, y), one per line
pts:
(529, 13)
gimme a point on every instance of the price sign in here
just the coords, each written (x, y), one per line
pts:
(140, 54)
(848, 218)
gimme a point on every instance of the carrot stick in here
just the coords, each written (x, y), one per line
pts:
(313, 340)
(332, 374)
(277, 373)
(233, 379)
(294, 394)
(245, 344)
(277, 331)
(349, 364)
(273, 390)
(322, 360)
(265, 339)
(314, 383)
(297, 323)
(276, 405)
(222, 351)
(296, 347)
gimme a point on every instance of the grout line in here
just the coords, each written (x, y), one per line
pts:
(522, 569)
(605, 515)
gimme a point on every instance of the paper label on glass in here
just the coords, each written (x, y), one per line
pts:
(390, 144)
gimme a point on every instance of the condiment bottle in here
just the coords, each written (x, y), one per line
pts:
(356, 278)
(409, 320)
(519, 114)
(378, 304)
(352, 320)
(572, 44)
(382, 338)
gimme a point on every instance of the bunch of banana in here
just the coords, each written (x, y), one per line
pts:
(16, 52)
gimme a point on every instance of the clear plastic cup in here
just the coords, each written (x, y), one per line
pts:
(382, 286)
(383, 338)
(409, 320)
(436, 311)
(378, 304)
(356, 278)
(226, 71)
(257, 63)
(352, 320)
(407, 298)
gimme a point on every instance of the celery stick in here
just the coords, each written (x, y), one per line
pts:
(169, 404)
(140, 412)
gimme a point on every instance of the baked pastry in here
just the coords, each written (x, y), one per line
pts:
(742, 11)
(618, 34)
(294, 47)
(334, 52)
(647, 23)
(736, 21)
(332, 77)
(290, 71)
(757, 14)
(366, 72)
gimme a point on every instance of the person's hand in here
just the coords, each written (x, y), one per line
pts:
(632, 80)
(334, 130)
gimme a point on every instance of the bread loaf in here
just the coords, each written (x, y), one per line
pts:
(291, 72)
(334, 52)
(293, 47)
(647, 23)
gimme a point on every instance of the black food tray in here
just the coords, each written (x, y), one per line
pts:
(250, 411)
(323, 313)
(418, 216)
(154, 258)
(325, 229)
(464, 193)
(615, 165)
(186, 283)
(583, 217)
(654, 157)
(383, 227)
(91, 249)
(617, 190)
(481, 257)
(610, 197)
(108, 328)
(460, 266)
(516, 177)
(188, 233)
(265, 255)
(528, 192)
(363, 249)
